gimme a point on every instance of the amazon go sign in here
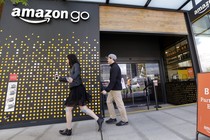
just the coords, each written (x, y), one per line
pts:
(41, 16)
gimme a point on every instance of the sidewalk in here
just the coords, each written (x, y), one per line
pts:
(178, 123)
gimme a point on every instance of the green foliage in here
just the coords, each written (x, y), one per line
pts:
(24, 2)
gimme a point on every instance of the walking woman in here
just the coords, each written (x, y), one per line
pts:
(78, 95)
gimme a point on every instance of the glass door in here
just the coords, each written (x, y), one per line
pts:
(135, 77)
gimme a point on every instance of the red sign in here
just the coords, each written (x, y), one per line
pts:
(204, 103)
(13, 77)
(190, 73)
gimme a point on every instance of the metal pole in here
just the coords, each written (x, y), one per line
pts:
(197, 135)
(156, 103)
(147, 95)
(132, 98)
(103, 112)
(193, 3)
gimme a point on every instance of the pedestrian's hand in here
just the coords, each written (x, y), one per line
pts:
(104, 92)
(69, 79)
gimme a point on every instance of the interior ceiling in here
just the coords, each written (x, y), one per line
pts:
(176, 5)
(167, 41)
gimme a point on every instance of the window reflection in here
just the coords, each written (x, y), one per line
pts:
(201, 29)
(133, 75)
(202, 26)
(203, 47)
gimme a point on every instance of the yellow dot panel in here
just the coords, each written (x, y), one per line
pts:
(35, 61)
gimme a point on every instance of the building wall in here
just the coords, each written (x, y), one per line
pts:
(35, 52)
(141, 20)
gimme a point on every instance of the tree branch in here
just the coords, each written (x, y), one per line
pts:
(23, 2)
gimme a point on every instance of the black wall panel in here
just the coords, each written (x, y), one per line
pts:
(35, 52)
(144, 47)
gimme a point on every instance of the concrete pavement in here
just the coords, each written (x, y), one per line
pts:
(176, 123)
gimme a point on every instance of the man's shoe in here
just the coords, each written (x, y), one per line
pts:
(111, 121)
(100, 122)
(121, 123)
(67, 132)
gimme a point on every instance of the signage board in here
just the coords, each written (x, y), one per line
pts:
(203, 121)
(41, 16)
(11, 97)
(13, 77)
(199, 10)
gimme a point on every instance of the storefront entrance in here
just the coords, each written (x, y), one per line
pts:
(143, 58)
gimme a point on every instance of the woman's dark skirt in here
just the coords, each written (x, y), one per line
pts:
(77, 96)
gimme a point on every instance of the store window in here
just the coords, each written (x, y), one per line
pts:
(178, 62)
(201, 29)
(133, 78)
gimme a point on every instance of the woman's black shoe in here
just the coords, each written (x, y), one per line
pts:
(66, 132)
(100, 122)
(60, 131)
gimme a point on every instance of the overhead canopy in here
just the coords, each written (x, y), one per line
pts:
(177, 5)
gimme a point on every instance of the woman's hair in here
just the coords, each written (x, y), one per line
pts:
(72, 59)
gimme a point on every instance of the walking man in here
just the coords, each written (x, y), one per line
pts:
(114, 93)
